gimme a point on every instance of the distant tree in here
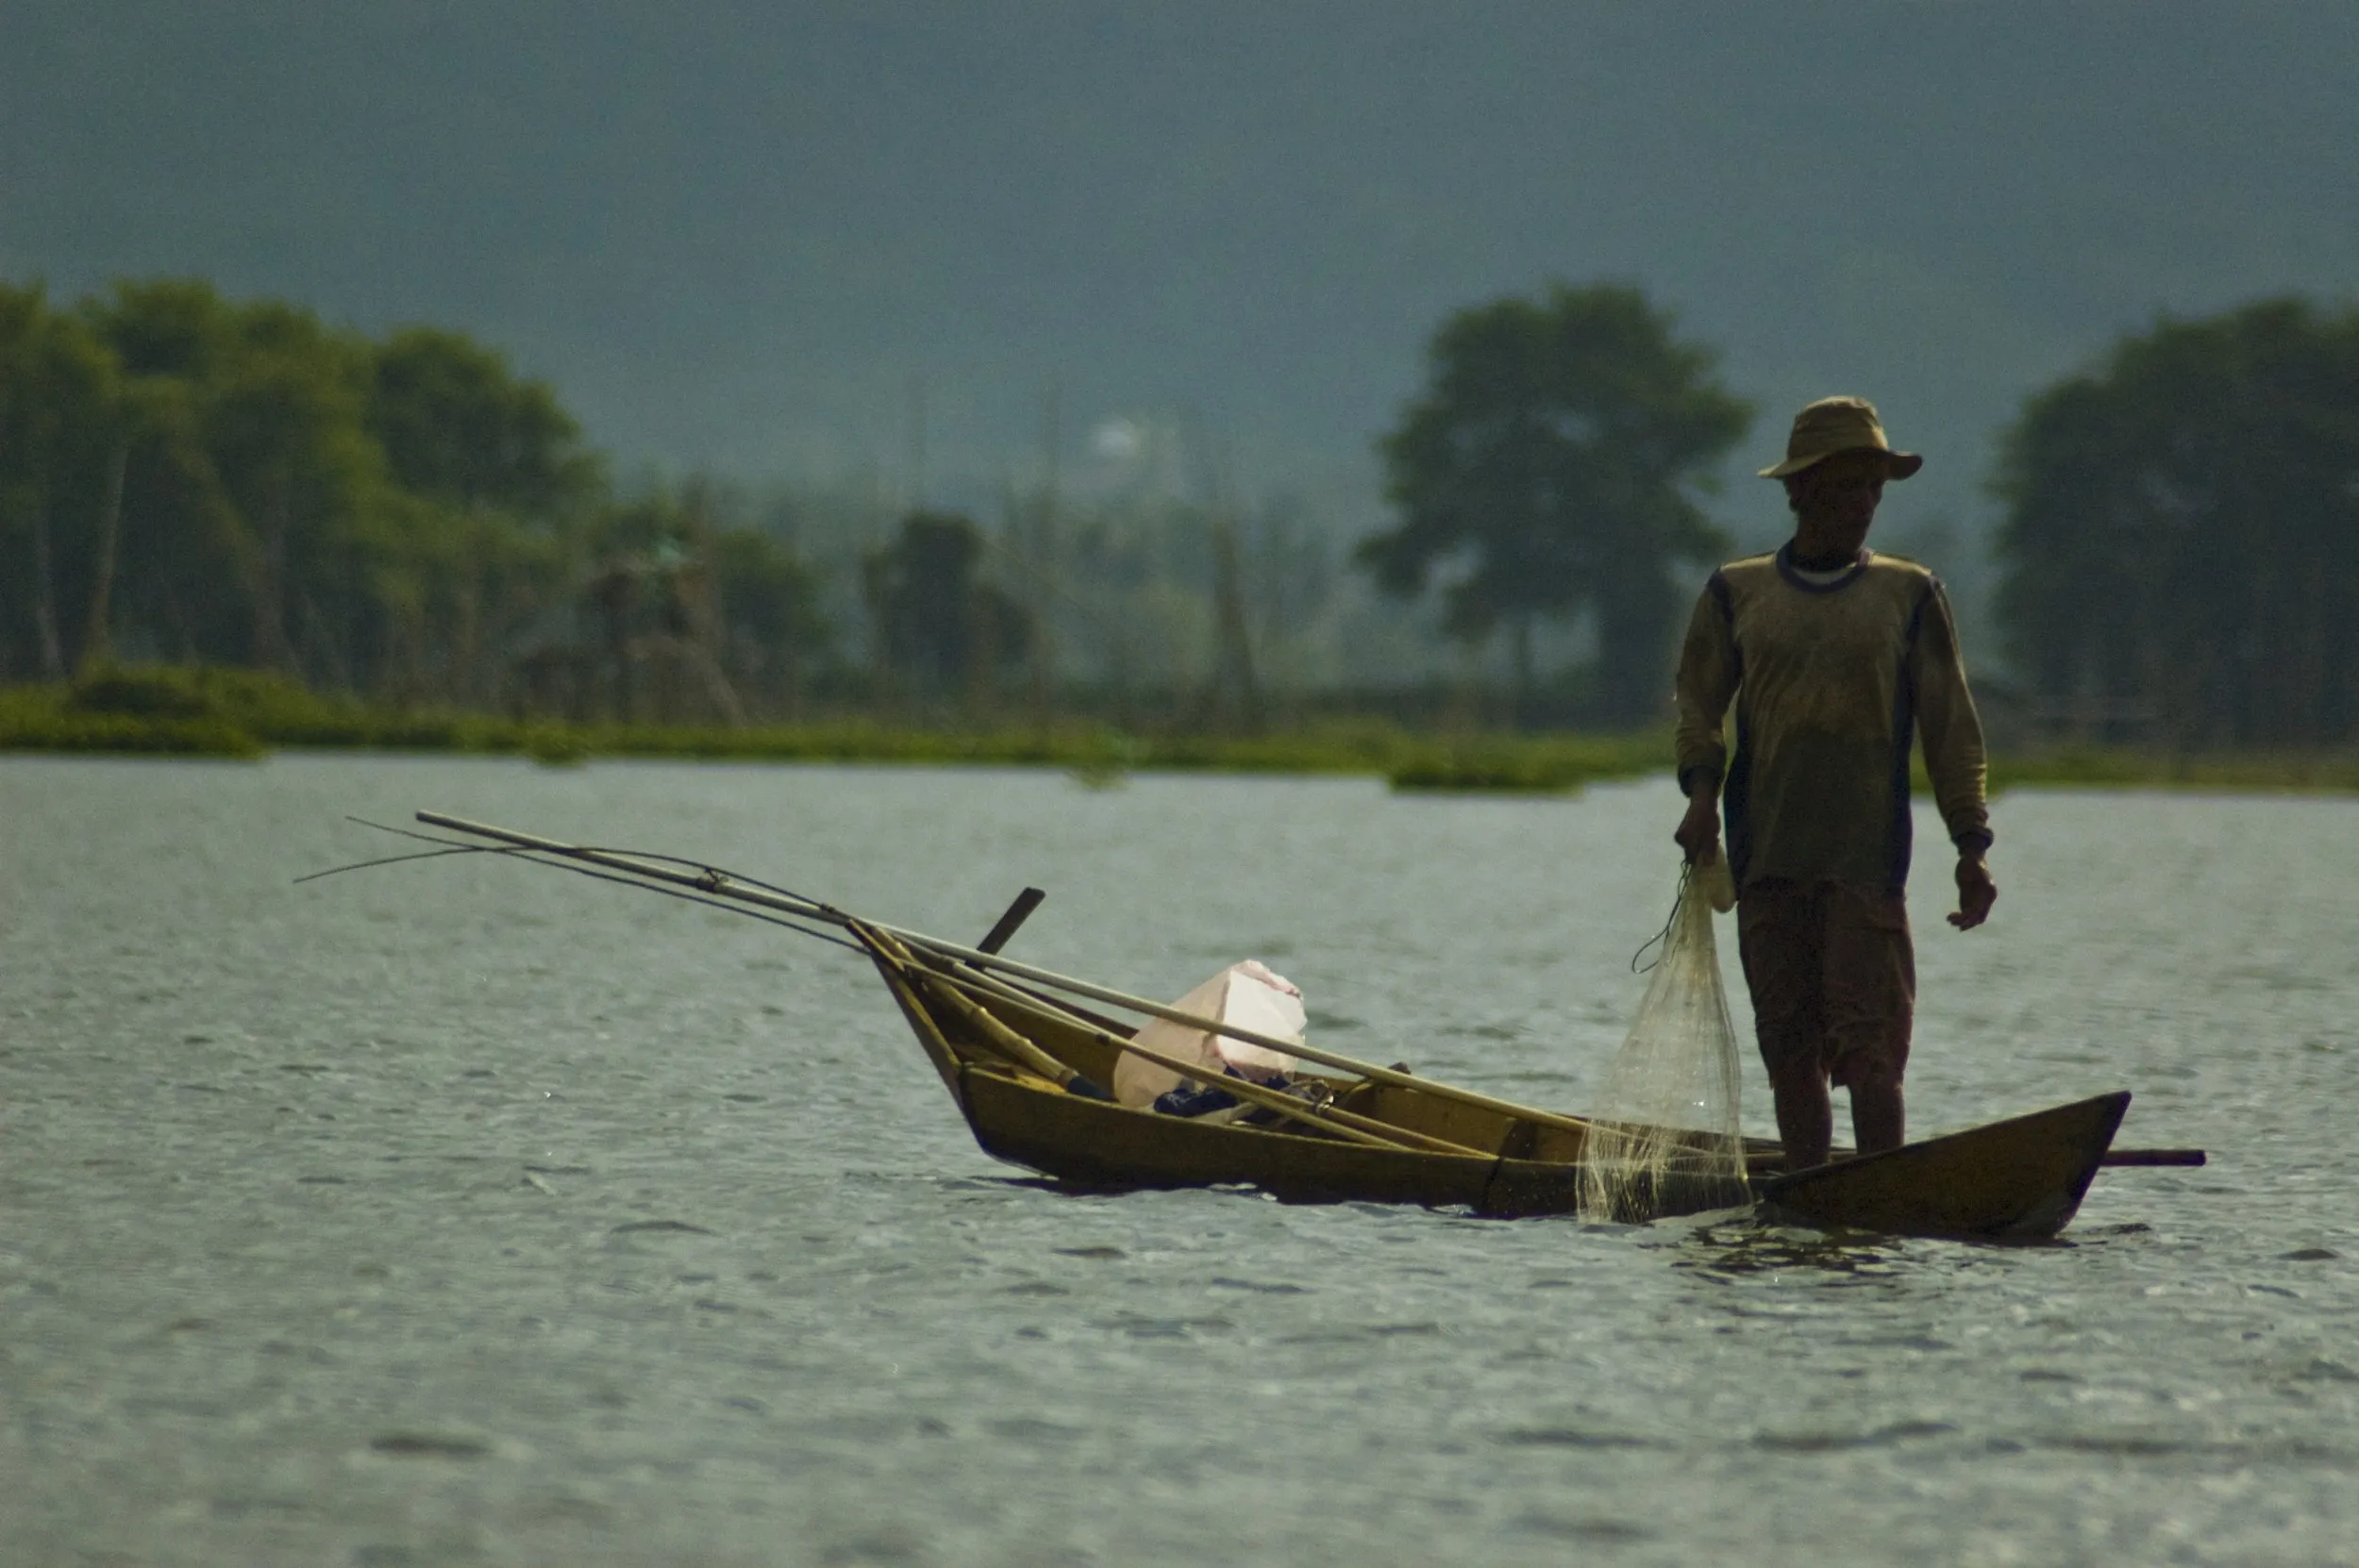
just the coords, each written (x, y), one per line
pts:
(769, 609)
(258, 499)
(459, 427)
(1550, 467)
(176, 326)
(62, 427)
(939, 627)
(502, 486)
(2182, 538)
(186, 564)
(385, 516)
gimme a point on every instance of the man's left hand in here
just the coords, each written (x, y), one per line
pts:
(1977, 893)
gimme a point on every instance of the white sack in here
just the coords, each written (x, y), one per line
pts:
(1247, 995)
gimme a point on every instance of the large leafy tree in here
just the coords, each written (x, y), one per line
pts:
(501, 486)
(459, 425)
(254, 498)
(1552, 466)
(2199, 490)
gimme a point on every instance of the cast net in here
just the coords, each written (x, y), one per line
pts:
(1664, 1137)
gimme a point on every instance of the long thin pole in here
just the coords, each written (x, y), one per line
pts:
(717, 884)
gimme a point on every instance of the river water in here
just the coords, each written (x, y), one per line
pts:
(467, 1212)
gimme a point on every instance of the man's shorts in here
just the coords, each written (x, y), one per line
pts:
(1832, 972)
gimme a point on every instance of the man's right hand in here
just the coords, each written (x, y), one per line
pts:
(1699, 830)
(1977, 893)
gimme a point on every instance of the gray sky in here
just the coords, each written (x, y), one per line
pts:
(736, 236)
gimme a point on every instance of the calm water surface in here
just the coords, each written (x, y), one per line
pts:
(464, 1212)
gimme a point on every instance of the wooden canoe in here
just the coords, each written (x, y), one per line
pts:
(1023, 1070)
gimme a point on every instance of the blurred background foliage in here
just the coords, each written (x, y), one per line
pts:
(403, 527)
(1553, 460)
(2180, 544)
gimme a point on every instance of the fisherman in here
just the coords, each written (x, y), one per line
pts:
(1835, 657)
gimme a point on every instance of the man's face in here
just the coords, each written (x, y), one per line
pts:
(1838, 498)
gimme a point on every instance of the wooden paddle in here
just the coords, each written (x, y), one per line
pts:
(1018, 912)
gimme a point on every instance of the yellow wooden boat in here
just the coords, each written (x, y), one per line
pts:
(1024, 1062)
(2016, 1180)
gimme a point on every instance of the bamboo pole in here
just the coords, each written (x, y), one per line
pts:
(719, 884)
(1000, 1038)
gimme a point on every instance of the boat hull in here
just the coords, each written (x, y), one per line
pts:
(1093, 1144)
(2018, 1180)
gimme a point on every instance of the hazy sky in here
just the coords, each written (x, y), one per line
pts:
(737, 235)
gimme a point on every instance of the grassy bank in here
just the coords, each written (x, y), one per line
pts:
(241, 714)
(2117, 768)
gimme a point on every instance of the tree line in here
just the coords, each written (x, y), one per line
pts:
(188, 479)
(2181, 549)
(2177, 558)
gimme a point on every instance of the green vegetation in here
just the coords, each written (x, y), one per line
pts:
(2124, 767)
(196, 480)
(189, 479)
(1530, 764)
(1551, 468)
(227, 526)
(2180, 551)
(245, 714)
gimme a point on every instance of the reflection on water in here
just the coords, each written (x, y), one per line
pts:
(464, 1212)
(1746, 1246)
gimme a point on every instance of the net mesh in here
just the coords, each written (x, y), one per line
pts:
(1663, 1135)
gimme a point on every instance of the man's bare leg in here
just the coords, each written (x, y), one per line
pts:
(1879, 1119)
(1805, 1114)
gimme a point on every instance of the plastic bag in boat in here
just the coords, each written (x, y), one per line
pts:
(1247, 994)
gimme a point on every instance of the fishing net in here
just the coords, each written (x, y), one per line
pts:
(1664, 1134)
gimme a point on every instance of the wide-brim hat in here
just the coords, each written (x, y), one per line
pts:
(1835, 425)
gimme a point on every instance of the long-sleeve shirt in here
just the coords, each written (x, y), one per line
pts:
(1831, 675)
